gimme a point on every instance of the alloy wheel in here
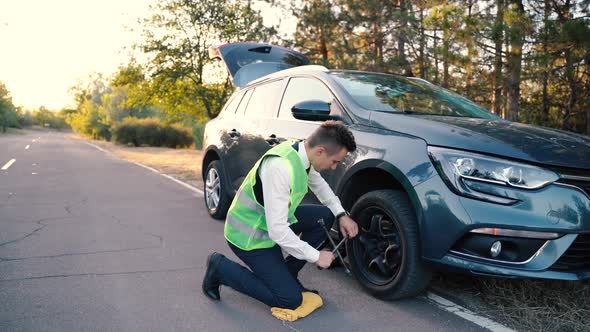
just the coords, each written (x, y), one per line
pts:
(380, 245)
(212, 189)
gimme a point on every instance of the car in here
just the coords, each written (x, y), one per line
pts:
(437, 181)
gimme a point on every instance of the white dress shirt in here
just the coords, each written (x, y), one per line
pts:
(276, 187)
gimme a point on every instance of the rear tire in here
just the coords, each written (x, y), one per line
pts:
(216, 198)
(385, 256)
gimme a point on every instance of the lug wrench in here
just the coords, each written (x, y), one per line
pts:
(339, 244)
(323, 224)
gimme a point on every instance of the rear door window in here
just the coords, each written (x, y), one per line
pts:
(233, 103)
(301, 89)
(263, 102)
(244, 103)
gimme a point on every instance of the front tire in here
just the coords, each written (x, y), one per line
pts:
(385, 255)
(216, 198)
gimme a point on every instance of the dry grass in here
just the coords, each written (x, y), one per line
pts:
(527, 305)
(15, 131)
(183, 164)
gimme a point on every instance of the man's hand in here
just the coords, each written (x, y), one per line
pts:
(348, 227)
(325, 260)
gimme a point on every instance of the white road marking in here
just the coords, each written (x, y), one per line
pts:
(184, 184)
(27, 147)
(5, 167)
(437, 300)
(33, 140)
(467, 314)
(98, 147)
(33, 173)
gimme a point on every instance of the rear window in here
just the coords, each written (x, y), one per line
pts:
(398, 94)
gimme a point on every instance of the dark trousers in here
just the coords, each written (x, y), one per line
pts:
(272, 279)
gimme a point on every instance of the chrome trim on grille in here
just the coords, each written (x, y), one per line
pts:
(573, 187)
(575, 177)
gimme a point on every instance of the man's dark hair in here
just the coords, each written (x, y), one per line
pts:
(333, 135)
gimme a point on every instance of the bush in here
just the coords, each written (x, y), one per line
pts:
(153, 132)
(198, 132)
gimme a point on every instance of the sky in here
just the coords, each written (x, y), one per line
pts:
(48, 46)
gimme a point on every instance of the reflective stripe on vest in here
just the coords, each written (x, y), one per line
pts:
(249, 202)
(258, 234)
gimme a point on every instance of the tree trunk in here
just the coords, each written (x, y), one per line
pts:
(471, 52)
(588, 93)
(564, 17)
(445, 54)
(545, 111)
(571, 82)
(435, 45)
(422, 60)
(323, 46)
(515, 60)
(401, 41)
(497, 36)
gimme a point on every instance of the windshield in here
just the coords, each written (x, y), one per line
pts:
(398, 94)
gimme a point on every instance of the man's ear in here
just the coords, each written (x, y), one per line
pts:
(320, 149)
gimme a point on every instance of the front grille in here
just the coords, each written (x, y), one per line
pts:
(584, 185)
(575, 177)
(577, 257)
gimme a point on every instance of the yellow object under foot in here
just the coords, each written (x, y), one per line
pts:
(310, 303)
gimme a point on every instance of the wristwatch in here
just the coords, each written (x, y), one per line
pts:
(341, 214)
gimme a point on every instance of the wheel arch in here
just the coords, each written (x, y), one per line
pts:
(211, 154)
(376, 174)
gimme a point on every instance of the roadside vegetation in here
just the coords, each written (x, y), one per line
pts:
(12, 116)
(526, 305)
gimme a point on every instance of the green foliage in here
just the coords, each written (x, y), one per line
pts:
(198, 132)
(8, 115)
(90, 121)
(531, 59)
(152, 132)
(177, 39)
(25, 119)
(44, 117)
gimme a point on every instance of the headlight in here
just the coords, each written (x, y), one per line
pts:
(467, 172)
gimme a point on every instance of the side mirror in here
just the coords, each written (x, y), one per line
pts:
(312, 110)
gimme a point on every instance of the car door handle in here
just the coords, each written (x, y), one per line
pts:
(234, 133)
(272, 139)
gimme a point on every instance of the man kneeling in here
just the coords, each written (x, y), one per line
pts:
(266, 216)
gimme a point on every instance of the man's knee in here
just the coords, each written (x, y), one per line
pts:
(291, 301)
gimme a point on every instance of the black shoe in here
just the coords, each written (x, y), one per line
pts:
(210, 282)
(303, 289)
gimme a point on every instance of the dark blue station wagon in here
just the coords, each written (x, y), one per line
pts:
(436, 181)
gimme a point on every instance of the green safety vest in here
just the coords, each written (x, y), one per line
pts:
(245, 224)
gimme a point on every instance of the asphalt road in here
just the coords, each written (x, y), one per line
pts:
(89, 242)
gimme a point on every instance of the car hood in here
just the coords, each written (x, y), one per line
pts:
(498, 137)
(248, 61)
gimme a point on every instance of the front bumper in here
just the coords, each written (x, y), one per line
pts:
(445, 218)
(544, 264)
